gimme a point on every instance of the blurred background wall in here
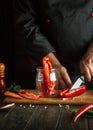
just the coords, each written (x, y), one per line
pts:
(12, 49)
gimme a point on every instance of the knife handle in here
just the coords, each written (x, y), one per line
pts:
(82, 78)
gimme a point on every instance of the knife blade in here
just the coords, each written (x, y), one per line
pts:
(78, 82)
(6, 106)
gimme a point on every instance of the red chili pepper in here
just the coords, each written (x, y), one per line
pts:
(74, 92)
(28, 95)
(63, 92)
(47, 67)
(82, 110)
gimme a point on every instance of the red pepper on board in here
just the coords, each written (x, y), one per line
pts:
(12, 94)
(73, 92)
(28, 95)
(82, 110)
(63, 92)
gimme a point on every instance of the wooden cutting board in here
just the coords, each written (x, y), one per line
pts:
(85, 98)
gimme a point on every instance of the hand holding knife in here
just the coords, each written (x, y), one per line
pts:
(78, 82)
(77, 89)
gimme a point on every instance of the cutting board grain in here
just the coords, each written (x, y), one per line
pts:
(85, 98)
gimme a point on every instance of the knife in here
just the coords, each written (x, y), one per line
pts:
(7, 106)
(80, 80)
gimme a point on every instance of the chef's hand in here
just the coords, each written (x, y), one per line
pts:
(63, 77)
(64, 80)
(86, 63)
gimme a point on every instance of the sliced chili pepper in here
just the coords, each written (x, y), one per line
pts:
(61, 93)
(47, 67)
(46, 70)
(81, 111)
(29, 95)
(74, 92)
(12, 94)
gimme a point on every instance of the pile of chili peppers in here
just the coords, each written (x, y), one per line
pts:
(47, 87)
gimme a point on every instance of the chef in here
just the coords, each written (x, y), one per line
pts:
(61, 30)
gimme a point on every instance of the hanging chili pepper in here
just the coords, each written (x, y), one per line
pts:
(47, 67)
(46, 70)
(73, 92)
(81, 111)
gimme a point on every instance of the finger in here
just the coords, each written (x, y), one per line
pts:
(62, 84)
(86, 73)
(65, 77)
(91, 69)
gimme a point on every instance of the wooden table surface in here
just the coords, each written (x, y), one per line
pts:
(85, 98)
(46, 114)
(43, 117)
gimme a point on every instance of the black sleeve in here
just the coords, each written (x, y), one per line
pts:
(37, 45)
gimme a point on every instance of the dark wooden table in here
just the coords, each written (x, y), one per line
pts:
(42, 117)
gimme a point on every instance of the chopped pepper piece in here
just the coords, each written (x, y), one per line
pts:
(73, 92)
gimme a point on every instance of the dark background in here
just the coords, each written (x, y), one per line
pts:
(12, 49)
